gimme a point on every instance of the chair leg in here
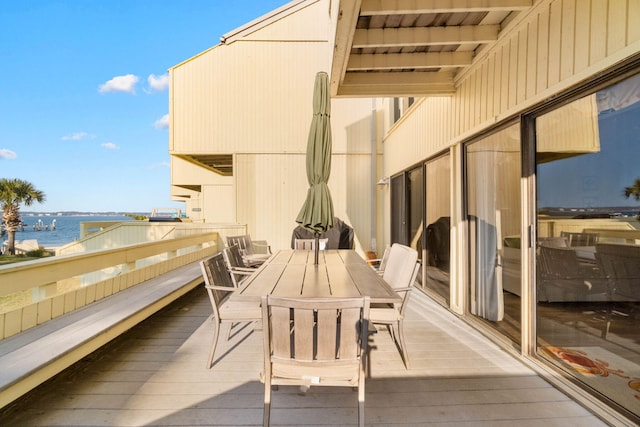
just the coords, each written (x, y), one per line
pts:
(361, 400)
(403, 344)
(214, 343)
(267, 403)
(228, 333)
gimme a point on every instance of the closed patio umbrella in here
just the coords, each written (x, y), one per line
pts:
(316, 214)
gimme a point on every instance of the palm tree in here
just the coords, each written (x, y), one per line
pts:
(14, 192)
(633, 190)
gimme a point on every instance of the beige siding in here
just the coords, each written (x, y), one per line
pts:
(547, 51)
(254, 93)
(251, 96)
(426, 130)
(296, 28)
(272, 188)
(218, 204)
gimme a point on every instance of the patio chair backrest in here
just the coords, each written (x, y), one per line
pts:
(398, 272)
(385, 259)
(310, 244)
(621, 264)
(317, 341)
(216, 276)
(243, 242)
(233, 257)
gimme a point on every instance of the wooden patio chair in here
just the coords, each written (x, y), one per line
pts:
(621, 265)
(219, 285)
(236, 266)
(400, 273)
(310, 244)
(250, 255)
(564, 278)
(379, 264)
(314, 342)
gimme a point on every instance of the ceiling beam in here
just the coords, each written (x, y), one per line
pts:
(403, 7)
(397, 84)
(347, 19)
(397, 37)
(409, 61)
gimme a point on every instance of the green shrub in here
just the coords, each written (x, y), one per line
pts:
(36, 253)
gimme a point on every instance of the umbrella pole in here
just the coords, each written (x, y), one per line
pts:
(317, 247)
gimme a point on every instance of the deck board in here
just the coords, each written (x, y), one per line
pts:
(155, 375)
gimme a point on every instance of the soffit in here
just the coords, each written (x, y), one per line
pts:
(219, 163)
(413, 47)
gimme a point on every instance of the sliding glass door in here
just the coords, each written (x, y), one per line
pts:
(493, 174)
(437, 252)
(588, 243)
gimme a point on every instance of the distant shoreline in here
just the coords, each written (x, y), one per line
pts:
(79, 213)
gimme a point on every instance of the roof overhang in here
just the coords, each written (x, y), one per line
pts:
(221, 164)
(412, 47)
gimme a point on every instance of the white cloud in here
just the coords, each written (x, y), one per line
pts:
(158, 83)
(159, 165)
(77, 136)
(110, 146)
(126, 83)
(5, 153)
(162, 122)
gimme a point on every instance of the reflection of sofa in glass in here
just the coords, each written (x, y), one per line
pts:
(562, 275)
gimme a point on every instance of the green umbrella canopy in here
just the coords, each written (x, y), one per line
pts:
(316, 214)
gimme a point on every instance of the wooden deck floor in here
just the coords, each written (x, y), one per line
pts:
(156, 375)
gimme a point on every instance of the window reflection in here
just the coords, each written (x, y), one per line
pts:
(588, 246)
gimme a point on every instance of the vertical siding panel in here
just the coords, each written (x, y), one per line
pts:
(491, 96)
(582, 30)
(29, 316)
(523, 69)
(477, 100)
(44, 310)
(532, 57)
(497, 82)
(617, 36)
(466, 112)
(542, 65)
(512, 77)
(461, 107)
(555, 37)
(599, 32)
(457, 101)
(633, 22)
(504, 82)
(568, 40)
(484, 98)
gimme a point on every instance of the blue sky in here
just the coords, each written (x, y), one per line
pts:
(84, 95)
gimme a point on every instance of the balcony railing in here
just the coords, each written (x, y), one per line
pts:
(34, 292)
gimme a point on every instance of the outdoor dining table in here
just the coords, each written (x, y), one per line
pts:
(339, 273)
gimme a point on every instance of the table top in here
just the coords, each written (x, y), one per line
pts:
(339, 273)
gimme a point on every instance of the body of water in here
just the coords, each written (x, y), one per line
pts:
(67, 228)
